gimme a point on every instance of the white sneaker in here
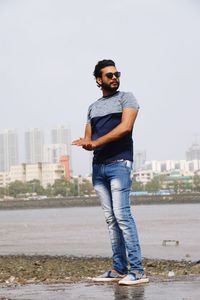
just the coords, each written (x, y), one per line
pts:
(134, 278)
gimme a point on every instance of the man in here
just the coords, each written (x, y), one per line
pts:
(109, 133)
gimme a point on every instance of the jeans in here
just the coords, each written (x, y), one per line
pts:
(112, 183)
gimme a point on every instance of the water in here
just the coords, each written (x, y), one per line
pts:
(82, 231)
(86, 291)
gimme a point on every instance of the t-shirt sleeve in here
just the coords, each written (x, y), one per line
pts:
(89, 115)
(129, 101)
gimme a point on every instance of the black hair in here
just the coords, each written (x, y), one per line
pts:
(102, 64)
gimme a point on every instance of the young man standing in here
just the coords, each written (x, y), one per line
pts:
(109, 133)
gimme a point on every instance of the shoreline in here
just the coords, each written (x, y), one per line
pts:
(94, 201)
(34, 269)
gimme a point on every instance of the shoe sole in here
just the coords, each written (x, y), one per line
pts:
(133, 282)
(106, 279)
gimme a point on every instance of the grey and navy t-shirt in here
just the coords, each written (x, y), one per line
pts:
(104, 115)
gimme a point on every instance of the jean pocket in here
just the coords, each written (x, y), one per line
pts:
(129, 164)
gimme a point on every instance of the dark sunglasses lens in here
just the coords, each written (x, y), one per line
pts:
(110, 75)
(117, 74)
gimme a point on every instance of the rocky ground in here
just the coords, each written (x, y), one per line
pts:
(48, 269)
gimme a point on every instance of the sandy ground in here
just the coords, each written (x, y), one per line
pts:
(61, 269)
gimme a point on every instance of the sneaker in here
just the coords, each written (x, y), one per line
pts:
(134, 278)
(108, 277)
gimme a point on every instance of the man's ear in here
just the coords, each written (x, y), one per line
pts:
(99, 81)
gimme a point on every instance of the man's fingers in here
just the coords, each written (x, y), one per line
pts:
(77, 142)
(85, 144)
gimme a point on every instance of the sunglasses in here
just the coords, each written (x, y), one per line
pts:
(110, 75)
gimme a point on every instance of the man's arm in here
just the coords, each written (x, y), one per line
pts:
(86, 141)
(88, 132)
(87, 137)
(128, 119)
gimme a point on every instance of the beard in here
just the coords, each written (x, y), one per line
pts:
(112, 87)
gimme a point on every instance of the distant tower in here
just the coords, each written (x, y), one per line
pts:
(8, 149)
(64, 161)
(193, 152)
(34, 142)
(62, 135)
(139, 159)
(53, 152)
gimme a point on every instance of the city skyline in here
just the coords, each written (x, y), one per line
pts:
(35, 146)
(48, 53)
(52, 150)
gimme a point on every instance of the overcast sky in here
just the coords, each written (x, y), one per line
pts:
(48, 50)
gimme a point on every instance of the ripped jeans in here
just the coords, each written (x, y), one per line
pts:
(112, 183)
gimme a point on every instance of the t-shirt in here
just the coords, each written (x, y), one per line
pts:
(104, 115)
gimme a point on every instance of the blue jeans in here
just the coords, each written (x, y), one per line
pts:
(112, 183)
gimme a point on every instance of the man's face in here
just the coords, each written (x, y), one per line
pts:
(109, 81)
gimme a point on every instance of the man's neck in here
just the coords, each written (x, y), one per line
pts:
(108, 93)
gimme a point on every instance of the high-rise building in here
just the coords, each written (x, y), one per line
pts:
(193, 152)
(139, 159)
(34, 142)
(8, 149)
(62, 135)
(54, 152)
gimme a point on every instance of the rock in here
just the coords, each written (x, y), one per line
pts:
(171, 274)
(31, 280)
(11, 279)
(195, 269)
(150, 264)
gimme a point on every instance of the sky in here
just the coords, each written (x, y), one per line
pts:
(48, 50)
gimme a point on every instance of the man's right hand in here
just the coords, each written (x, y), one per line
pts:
(85, 144)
